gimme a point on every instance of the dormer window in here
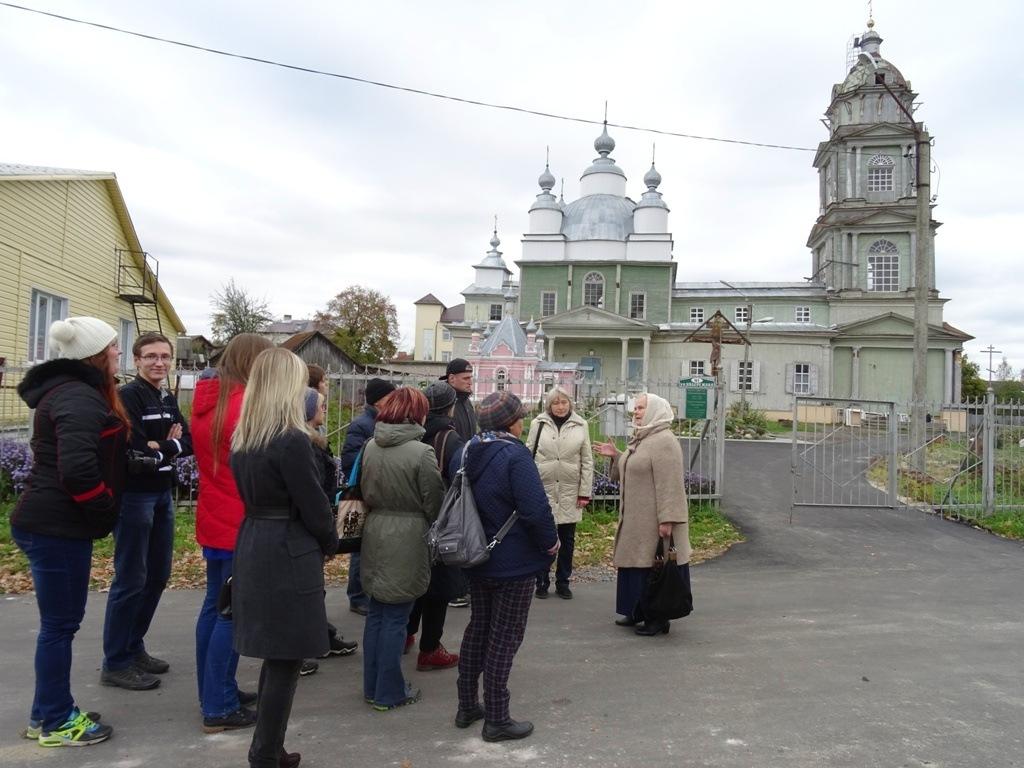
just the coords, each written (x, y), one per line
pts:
(880, 169)
(593, 289)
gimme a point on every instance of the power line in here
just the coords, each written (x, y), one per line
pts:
(403, 88)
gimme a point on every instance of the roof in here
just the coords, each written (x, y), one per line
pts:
(598, 217)
(508, 332)
(748, 290)
(299, 340)
(290, 326)
(454, 314)
(482, 290)
(17, 172)
(429, 299)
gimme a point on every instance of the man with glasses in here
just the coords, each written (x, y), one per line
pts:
(144, 532)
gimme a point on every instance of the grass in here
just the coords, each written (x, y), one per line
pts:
(710, 534)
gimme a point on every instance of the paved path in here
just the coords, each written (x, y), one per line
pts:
(848, 638)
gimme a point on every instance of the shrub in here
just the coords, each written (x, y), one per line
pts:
(15, 463)
(187, 474)
(695, 484)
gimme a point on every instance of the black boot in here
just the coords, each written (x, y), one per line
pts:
(507, 731)
(651, 628)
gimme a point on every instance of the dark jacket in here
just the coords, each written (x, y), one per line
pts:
(504, 478)
(402, 490)
(278, 573)
(359, 431)
(464, 416)
(444, 439)
(327, 470)
(78, 446)
(153, 411)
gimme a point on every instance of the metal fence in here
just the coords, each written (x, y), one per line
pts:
(858, 453)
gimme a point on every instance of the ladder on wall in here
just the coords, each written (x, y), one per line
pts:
(138, 284)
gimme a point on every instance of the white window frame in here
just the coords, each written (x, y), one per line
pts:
(52, 307)
(880, 173)
(491, 312)
(553, 295)
(696, 368)
(500, 379)
(802, 314)
(883, 272)
(593, 281)
(801, 378)
(742, 315)
(642, 314)
(745, 375)
(446, 357)
(126, 335)
(697, 314)
(446, 334)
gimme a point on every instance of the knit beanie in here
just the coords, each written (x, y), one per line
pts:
(440, 395)
(312, 402)
(80, 337)
(499, 410)
(377, 389)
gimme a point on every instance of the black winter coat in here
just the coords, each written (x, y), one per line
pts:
(277, 597)
(464, 416)
(152, 412)
(359, 431)
(74, 488)
(437, 427)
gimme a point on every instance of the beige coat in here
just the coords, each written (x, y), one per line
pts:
(651, 491)
(565, 462)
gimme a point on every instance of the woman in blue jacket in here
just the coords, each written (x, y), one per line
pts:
(504, 479)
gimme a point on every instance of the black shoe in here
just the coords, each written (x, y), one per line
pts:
(625, 621)
(289, 759)
(541, 593)
(563, 591)
(358, 608)
(649, 629)
(240, 718)
(466, 717)
(308, 668)
(508, 731)
(247, 698)
(129, 678)
(459, 602)
(150, 664)
(340, 647)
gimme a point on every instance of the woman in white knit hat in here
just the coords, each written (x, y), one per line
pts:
(72, 497)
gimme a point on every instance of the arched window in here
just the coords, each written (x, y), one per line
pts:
(593, 289)
(880, 169)
(883, 266)
(500, 380)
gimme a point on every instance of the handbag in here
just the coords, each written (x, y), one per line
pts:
(667, 592)
(224, 600)
(351, 511)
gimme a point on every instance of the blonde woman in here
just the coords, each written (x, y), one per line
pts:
(652, 505)
(560, 442)
(278, 578)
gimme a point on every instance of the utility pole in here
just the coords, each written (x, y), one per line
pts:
(991, 351)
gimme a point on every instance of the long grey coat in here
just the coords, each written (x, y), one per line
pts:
(565, 462)
(651, 491)
(402, 489)
(278, 572)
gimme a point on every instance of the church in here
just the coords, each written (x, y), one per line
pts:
(600, 299)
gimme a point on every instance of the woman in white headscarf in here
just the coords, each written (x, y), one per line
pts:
(652, 506)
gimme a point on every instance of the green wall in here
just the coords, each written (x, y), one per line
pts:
(535, 278)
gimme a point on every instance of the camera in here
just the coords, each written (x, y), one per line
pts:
(140, 464)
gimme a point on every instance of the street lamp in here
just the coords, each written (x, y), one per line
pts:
(922, 270)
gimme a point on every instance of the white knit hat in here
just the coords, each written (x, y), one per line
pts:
(80, 337)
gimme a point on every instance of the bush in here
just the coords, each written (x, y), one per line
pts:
(742, 418)
(15, 463)
(695, 484)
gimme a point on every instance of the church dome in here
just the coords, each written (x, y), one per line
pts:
(863, 72)
(598, 217)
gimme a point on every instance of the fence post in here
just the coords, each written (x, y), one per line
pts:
(894, 455)
(719, 440)
(988, 457)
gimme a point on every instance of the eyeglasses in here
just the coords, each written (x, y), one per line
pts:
(151, 358)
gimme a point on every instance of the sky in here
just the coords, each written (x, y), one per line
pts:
(297, 186)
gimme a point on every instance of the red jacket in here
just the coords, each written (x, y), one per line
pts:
(219, 510)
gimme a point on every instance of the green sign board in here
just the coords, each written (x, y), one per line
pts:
(696, 403)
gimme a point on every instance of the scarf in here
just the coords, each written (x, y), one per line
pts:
(658, 416)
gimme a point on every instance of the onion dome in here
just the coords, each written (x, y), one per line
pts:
(604, 144)
(546, 180)
(531, 327)
(652, 179)
(540, 332)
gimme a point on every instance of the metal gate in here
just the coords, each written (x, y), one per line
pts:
(844, 453)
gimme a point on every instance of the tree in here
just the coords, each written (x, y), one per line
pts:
(971, 384)
(1004, 371)
(235, 312)
(363, 322)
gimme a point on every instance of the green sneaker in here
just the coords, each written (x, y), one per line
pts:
(78, 731)
(35, 727)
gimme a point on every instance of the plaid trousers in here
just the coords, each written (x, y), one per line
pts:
(497, 622)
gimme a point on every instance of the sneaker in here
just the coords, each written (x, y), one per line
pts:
(247, 698)
(240, 718)
(541, 593)
(308, 668)
(150, 664)
(358, 608)
(511, 730)
(129, 678)
(78, 731)
(439, 658)
(410, 641)
(340, 647)
(459, 602)
(412, 695)
(35, 727)
(563, 591)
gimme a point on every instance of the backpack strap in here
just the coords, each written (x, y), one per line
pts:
(537, 441)
(440, 453)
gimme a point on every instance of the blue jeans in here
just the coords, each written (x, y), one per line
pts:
(383, 641)
(143, 544)
(355, 593)
(216, 660)
(60, 574)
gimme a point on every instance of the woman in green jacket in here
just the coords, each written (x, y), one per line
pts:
(402, 489)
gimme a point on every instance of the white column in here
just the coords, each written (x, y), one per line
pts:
(957, 382)
(855, 258)
(848, 166)
(551, 349)
(911, 260)
(618, 291)
(947, 378)
(857, 192)
(647, 358)
(625, 358)
(855, 375)
(568, 290)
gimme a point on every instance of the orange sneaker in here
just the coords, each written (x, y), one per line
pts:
(439, 658)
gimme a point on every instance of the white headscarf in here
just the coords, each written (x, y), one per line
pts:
(658, 413)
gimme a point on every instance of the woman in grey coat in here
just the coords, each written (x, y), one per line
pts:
(278, 577)
(402, 489)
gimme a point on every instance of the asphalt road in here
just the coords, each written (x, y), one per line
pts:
(847, 638)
